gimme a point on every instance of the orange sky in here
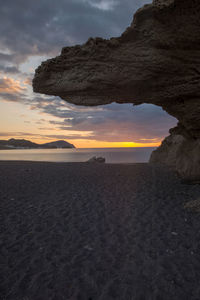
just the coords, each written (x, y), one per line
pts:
(26, 42)
(19, 119)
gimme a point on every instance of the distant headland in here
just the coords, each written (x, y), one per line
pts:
(25, 144)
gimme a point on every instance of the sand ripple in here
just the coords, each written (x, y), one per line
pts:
(79, 231)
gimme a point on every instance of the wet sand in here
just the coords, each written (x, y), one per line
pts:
(90, 231)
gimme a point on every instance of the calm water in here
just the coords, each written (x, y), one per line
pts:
(112, 155)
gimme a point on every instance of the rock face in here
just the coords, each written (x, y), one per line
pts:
(156, 60)
(180, 153)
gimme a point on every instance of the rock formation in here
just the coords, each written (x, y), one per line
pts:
(95, 159)
(156, 60)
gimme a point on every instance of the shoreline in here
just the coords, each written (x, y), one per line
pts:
(71, 162)
(97, 231)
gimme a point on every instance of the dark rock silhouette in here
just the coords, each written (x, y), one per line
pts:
(95, 159)
(17, 143)
(21, 143)
(156, 60)
(57, 144)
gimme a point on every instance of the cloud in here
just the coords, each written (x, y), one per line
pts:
(11, 90)
(28, 135)
(14, 57)
(111, 123)
(9, 85)
(28, 80)
(8, 97)
(43, 27)
(12, 70)
(103, 4)
(114, 122)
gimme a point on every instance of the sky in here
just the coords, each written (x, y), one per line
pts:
(33, 31)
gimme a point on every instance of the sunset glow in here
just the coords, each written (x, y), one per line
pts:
(40, 118)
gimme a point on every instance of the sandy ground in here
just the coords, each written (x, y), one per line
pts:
(86, 231)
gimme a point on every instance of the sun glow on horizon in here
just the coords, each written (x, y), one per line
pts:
(83, 144)
(102, 144)
(80, 143)
(26, 122)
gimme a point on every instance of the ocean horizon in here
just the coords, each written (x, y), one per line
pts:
(112, 155)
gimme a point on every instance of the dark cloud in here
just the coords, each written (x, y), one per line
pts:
(9, 97)
(11, 70)
(44, 27)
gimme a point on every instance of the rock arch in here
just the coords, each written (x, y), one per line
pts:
(156, 60)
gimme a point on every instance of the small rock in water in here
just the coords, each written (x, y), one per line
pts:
(95, 159)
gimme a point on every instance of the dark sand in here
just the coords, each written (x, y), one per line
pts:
(86, 231)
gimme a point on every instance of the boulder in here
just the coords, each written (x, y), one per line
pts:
(95, 159)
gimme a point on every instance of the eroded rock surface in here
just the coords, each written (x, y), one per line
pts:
(156, 60)
(180, 153)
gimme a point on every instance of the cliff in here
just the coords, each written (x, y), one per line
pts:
(156, 60)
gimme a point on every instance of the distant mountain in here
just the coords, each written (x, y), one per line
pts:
(12, 143)
(24, 144)
(57, 144)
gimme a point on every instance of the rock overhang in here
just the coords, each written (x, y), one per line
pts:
(156, 60)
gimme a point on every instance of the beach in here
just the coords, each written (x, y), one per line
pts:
(97, 231)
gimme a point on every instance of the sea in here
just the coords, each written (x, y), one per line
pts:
(112, 155)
